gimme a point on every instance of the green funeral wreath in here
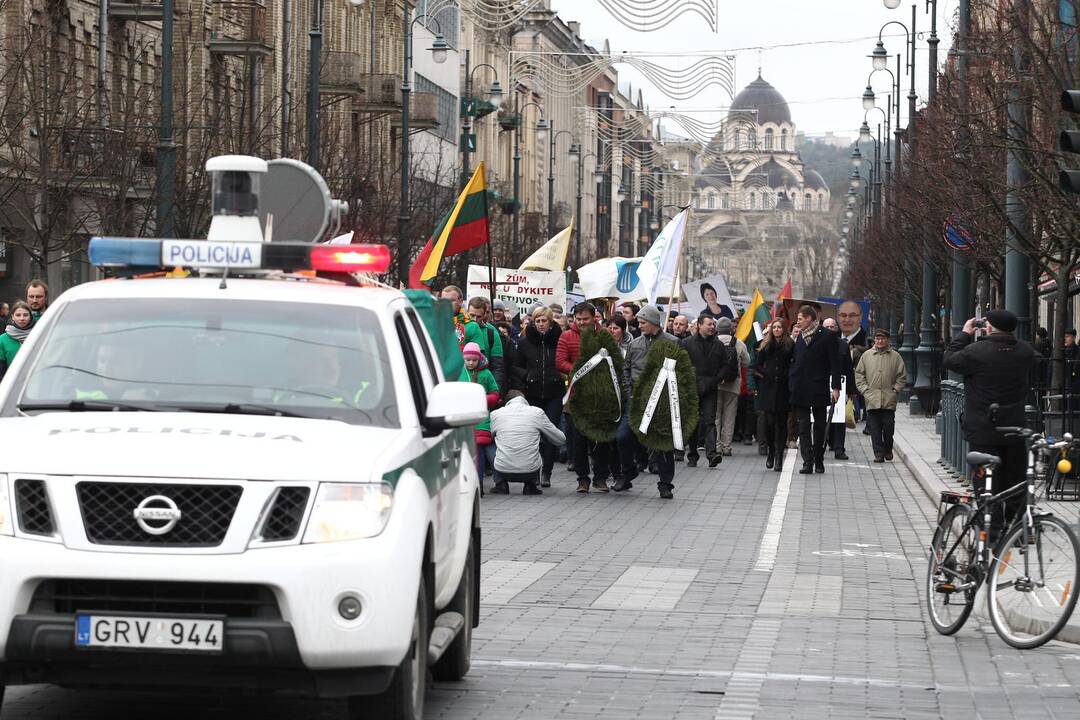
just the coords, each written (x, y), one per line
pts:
(593, 404)
(659, 435)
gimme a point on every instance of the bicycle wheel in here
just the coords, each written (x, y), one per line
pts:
(950, 581)
(1033, 586)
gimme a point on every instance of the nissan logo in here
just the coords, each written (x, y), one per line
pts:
(157, 515)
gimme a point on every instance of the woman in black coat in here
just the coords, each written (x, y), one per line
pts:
(535, 374)
(771, 371)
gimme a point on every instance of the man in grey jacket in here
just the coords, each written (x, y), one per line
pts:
(650, 322)
(517, 428)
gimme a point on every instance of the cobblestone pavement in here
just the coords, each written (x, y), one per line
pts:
(752, 594)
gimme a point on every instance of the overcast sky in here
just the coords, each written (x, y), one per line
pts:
(821, 72)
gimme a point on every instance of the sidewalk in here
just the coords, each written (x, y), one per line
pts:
(919, 447)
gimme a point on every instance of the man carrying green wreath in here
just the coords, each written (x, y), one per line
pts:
(650, 322)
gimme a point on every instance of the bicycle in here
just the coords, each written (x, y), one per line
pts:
(1030, 595)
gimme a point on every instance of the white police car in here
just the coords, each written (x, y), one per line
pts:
(258, 481)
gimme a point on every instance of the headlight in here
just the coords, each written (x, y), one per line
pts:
(349, 512)
(7, 524)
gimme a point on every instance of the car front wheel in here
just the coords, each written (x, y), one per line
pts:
(404, 699)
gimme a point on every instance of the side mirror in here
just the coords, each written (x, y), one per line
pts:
(455, 404)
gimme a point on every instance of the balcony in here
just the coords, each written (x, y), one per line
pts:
(147, 12)
(382, 93)
(241, 30)
(341, 73)
(423, 112)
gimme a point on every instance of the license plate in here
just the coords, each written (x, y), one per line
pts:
(149, 633)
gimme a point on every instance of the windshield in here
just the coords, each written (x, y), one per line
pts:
(298, 359)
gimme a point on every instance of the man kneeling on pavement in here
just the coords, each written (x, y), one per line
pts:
(518, 428)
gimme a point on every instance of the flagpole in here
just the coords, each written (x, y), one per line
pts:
(491, 278)
(679, 260)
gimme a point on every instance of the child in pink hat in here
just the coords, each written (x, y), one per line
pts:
(476, 371)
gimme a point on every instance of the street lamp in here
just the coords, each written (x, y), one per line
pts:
(892, 4)
(869, 100)
(854, 179)
(856, 157)
(541, 132)
(439, 47)
(880, 56)
(576, 154)
(864, 132)
(551, 174)
(495, 96)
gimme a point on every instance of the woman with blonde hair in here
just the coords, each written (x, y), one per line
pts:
(771, 370)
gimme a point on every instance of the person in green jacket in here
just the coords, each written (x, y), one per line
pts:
(476, 371)
(18, 328)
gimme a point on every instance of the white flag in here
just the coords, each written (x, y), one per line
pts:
(551, 255)
(660, 264)
(345, 239)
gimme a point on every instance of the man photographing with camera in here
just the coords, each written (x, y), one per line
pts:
(996, 369)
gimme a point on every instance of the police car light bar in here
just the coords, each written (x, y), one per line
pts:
(149, 253)
(350, 258)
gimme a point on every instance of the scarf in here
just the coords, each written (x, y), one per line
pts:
(18, 334)
(807, 333)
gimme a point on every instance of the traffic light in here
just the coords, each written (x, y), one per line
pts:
(1069, 141)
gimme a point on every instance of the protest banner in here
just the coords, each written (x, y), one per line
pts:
(522, 288)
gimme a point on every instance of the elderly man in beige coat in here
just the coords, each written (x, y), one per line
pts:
(880, 375)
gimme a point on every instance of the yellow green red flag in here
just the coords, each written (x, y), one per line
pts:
(463, 228)
(757, 312)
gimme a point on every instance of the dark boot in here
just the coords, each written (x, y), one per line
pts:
(583, 486)
(545, 480)
(778, 465)
(600, 486)
(770, 459)
(806, 469)
(691, 461)
(531, 489)
(716, 459)
(621, 485)
(501, 488)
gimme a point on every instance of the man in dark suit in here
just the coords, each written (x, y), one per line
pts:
(815, 369)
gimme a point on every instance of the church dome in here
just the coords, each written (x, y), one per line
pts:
(760, 96)
(814, 181)
(778, 175)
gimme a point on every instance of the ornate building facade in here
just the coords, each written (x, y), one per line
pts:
(756, 203)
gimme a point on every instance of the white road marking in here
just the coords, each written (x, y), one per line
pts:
(647, 588)
(501, 580)
(770, 541)
(575, 667)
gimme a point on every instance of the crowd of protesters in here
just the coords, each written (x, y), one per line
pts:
(780, 392)
(765, 393)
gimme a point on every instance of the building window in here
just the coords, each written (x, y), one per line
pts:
(448, 108)
(725, 201)
(809, 204)
(710, 201)
(783, 140)
(753, 139)
(819, 203)
(753, 201)
(769, 139)
(738, 139)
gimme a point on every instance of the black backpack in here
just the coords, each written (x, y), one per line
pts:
(730, 369)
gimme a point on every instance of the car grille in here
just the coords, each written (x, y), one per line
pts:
(286, 513)
(32, 504)
(234, 600)
(205, 513)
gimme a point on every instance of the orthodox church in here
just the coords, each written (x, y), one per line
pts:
(755, 201)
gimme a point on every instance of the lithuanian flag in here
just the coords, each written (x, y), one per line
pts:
(463, 228)
(757, 312)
